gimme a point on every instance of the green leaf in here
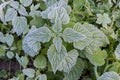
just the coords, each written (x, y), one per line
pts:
(41, 77)
(14, 4)
(70, 35)
(81, 44)
(97, 58)
(78, 4)
(19, 45)
(31, 42)
(19, 25)
(33, 10)
(109, 76)
(76, 71)
(114, 67)
(57, 27)
(37, 21)
(69, 61)
(22, 11)
(23, 61)
(2, 6)
(13, 48)
(94, 36)
(31, 47)
(117, 52)
(26, 3)
(49, 3)
(34, 7)
(9, 39)
(42, 34)
(2, 38)
(62, 61)
(59, 8)
(57, 41)
(3, 73)
(103, 19)
(61, 13)
(40, 61)
(2, 51)
(55, 57)
(10, 54)
(10, 14)
(29, 72)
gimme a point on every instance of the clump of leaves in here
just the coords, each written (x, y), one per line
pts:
(59, 39)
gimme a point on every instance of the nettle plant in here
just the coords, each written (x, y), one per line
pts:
(60, 39)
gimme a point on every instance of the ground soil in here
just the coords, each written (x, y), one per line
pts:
(10, 66)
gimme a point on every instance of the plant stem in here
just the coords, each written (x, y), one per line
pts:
(95, 71)
(106, 68)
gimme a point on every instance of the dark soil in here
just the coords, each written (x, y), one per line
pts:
(10, 66)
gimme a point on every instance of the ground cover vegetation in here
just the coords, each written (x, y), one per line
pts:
(59, 39)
